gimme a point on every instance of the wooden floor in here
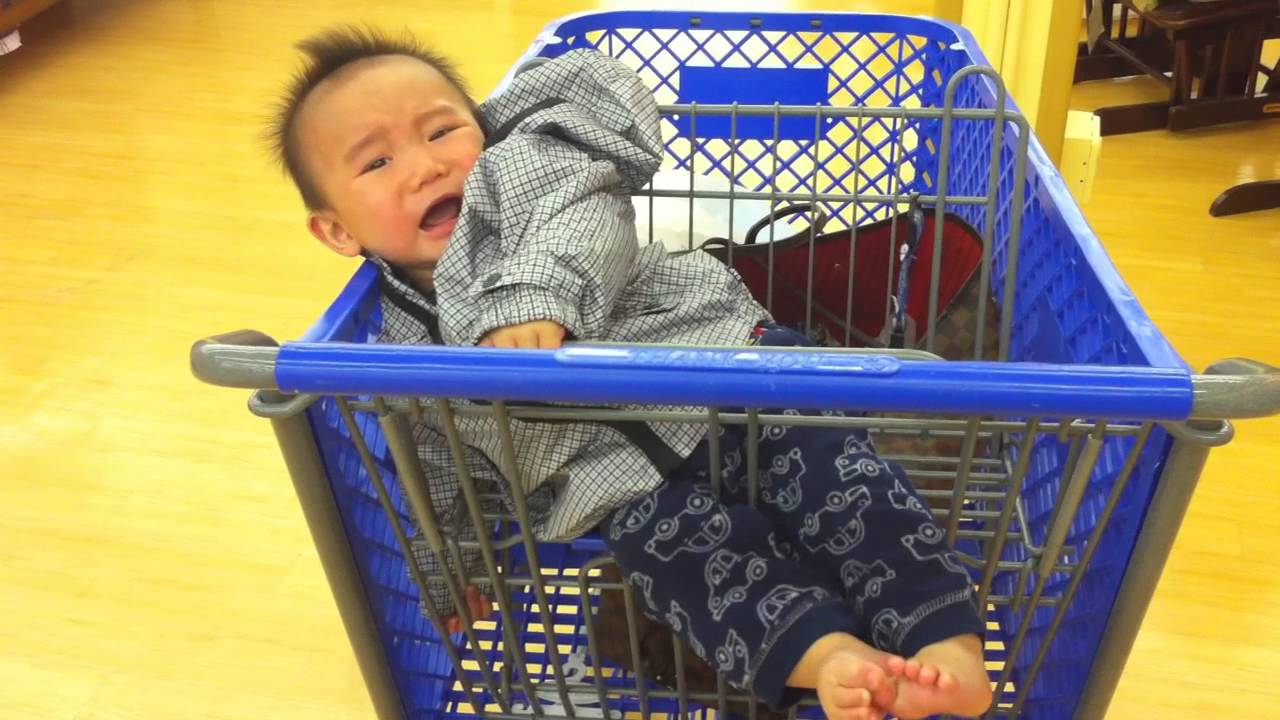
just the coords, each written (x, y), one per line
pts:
(153, 560)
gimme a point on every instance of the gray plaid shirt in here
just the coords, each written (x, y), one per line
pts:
(547, 231)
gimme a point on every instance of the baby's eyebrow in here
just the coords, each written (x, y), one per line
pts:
(377, 134)
(437, 111)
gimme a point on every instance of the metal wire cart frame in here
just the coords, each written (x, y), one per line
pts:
(1060, 464)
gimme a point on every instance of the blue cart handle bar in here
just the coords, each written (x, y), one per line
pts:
(735, 377)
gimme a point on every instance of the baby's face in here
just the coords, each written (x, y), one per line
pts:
(389, 141)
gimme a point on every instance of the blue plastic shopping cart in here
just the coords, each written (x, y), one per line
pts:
(1072, 458)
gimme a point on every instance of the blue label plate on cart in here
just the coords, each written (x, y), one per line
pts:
(751, 86)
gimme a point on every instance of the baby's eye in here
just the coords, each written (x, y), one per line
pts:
(379, 162)
(440, 133)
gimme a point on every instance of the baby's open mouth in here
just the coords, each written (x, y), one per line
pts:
(441, 211)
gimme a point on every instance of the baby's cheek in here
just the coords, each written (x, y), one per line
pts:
(468, 164)
(471, 149)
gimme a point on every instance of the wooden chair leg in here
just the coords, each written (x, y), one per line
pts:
(1229, 63)
(1181, 72)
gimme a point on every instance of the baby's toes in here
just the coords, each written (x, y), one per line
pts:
(928, 675)
(885, 693)
(911, 670)
(861, 713)
(895, 665)
(883, 689)
(848, 698)
(868, 675)
(947, 681)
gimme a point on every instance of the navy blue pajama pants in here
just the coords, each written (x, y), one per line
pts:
(839, 542)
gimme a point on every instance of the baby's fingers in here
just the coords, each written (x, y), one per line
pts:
(550, 337)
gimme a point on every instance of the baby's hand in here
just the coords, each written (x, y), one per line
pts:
(539, 334)
(479, 605)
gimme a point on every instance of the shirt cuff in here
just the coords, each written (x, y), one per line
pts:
(521, 303)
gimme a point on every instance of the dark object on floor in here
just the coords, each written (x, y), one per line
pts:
(1247, 197)
(15, 12)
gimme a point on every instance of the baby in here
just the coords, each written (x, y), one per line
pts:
(509, 225)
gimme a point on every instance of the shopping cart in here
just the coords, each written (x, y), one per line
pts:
(1073, 455)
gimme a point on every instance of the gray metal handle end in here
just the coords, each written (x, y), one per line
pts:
(1237, 388)
(1241, 366)
(240, 359)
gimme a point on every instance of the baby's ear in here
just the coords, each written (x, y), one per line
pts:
(326, 228)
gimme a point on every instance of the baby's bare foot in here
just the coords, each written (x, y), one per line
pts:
(852, 687)
(850, 677)
(946, 677)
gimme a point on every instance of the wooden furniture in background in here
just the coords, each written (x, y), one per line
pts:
(1207, 53)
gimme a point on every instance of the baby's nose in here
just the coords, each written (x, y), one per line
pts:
(428, 168)
(428, 172)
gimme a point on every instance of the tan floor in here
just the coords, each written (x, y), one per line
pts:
(154, 563)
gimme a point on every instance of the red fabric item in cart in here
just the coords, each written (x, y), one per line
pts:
(875, 273)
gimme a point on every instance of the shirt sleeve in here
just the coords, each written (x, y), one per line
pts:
(566, 242)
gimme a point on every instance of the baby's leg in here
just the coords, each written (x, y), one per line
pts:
(857, 516)
(768, 625)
